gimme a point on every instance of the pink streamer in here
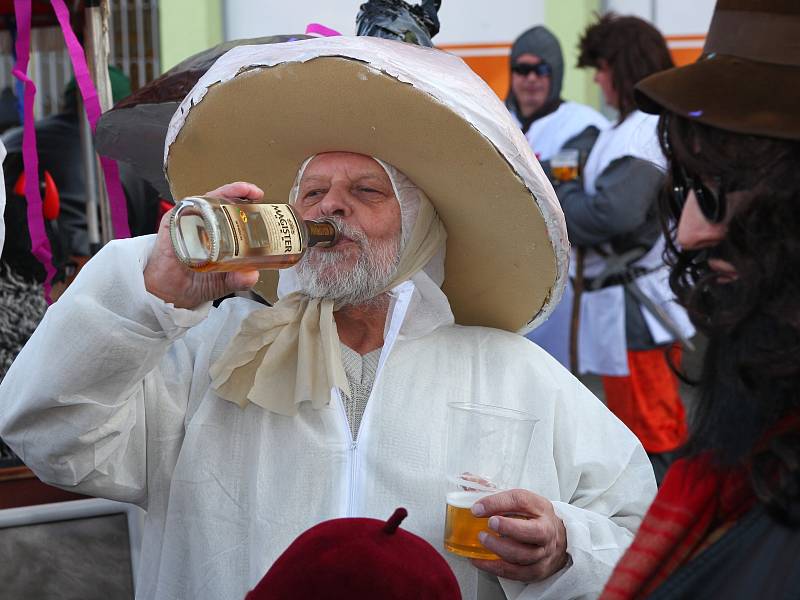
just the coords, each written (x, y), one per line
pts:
(316, 28)
(40, 244)
(116, 195)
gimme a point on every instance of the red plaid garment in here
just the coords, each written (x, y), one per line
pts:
(694, 500)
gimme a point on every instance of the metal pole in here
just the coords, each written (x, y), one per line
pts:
(90, 178)
(140, 57)
(154, 35)
(96, 47)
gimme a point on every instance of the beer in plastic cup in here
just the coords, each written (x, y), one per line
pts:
(461, 527)
(486, 450)
(564, 165)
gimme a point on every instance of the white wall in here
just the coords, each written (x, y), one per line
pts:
(463, 21)
(637, 8)
(479, 21)
(684, 17)
(254, 18)
(672, 17)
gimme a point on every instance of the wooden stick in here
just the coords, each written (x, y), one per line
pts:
(575, 321)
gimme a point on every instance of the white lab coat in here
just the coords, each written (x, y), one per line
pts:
(111, 398)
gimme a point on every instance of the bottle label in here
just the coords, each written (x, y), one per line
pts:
(263, 229)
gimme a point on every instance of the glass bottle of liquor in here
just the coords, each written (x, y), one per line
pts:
(212, 234)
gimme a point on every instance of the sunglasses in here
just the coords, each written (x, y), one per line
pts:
(712, 204)
(541, 69)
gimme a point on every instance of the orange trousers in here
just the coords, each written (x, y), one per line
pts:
(648, 401)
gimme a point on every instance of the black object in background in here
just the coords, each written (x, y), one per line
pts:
(398, 20)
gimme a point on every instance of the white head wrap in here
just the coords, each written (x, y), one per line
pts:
(408, 195)
(289, 353)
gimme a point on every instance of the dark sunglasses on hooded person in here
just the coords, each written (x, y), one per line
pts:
(541, 69)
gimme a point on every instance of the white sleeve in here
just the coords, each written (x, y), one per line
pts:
(105, 365)
(607, 485)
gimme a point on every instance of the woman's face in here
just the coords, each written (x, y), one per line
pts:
(604, 78)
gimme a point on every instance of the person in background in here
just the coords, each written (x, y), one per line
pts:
(534, 98)
(22, 305)
(726, 521)
(60, 154)
(549, 122)
(627, 318)
(2, 198)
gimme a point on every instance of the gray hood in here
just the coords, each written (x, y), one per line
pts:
(542, 43)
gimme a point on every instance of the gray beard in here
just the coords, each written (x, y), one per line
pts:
(320, 274)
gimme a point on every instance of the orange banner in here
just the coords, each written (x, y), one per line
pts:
(490, 61)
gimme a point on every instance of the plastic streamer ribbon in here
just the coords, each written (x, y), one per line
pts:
(320, 30)
(116, 195)
(40, 244)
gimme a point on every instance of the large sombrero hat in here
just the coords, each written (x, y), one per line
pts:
(261, 110)
(746, 79)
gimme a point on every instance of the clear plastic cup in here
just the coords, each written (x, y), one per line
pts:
(486, 450)
(564, 165)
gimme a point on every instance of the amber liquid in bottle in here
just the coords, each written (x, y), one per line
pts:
(210, 234)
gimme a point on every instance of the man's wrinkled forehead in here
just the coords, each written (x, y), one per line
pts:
(355, 166)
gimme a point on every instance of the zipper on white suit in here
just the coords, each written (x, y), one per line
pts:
(402, 298)
(351, 464)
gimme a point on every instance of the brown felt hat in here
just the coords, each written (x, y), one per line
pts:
(260, 111)
(748, 77)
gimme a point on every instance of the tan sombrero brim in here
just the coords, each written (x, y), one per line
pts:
(263, 109)
(728, 92)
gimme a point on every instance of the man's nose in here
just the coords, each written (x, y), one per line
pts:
(694, 230)
(337, 202)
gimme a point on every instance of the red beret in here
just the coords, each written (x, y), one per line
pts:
(359, 558)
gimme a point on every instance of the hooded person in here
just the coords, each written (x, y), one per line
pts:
(549, 123)
(726, 521)
(534, 97)
(241, 426)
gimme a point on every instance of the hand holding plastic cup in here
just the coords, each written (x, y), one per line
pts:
(486, 450)
(564, 165)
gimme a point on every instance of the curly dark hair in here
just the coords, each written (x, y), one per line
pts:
(631, 47)
(750, 380)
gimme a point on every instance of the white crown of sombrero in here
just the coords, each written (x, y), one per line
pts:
(259, 111)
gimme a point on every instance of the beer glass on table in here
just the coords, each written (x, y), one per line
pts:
(486, 450)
